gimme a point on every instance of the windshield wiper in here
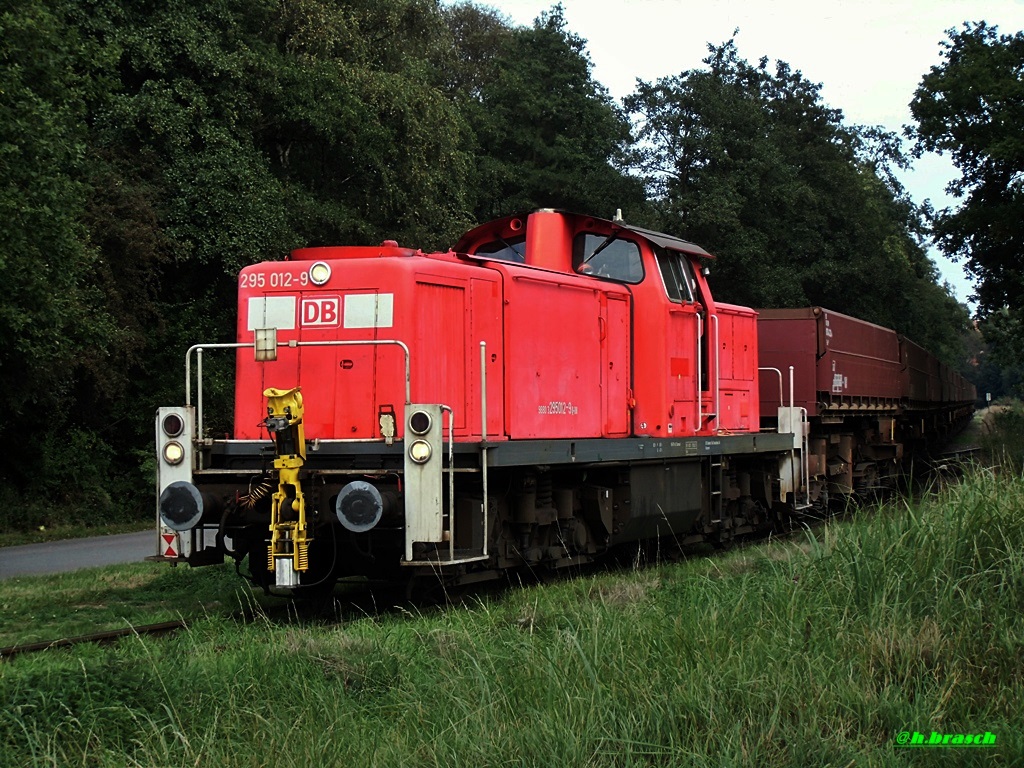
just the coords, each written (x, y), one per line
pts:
(512, 248)
(607, 241)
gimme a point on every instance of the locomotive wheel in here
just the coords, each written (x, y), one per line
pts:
(722, 540)
(427, 589)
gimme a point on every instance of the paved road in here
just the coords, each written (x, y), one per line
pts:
(73, 554)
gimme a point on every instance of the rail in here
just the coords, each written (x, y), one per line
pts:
(452, 559)
(718, 374)
(791, 423)
(805, 466)
(106, 636)
(700, 373)
(714, 387)
(483, 433)
(451, 480)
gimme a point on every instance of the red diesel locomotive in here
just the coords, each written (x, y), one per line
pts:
(554, 386)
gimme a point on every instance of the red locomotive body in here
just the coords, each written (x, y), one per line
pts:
(559, 343)
(436, 305)
(554, 386)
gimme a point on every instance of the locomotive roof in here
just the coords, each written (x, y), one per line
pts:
(669, 242)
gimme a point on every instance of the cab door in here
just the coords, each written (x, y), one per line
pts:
(615, 375)
(686, 343)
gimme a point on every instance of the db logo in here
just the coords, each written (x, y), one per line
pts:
(321, 311)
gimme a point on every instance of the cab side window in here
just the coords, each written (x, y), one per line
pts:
(607, 256)
(513, 249)
(677, 275)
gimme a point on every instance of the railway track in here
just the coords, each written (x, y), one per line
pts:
(359, 603)
(106, 636)
(966, 453)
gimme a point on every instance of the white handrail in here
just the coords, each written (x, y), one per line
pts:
(700, 372)
(781, 401)
(806, 464)
(718, 371)
(198, 349)
(483, 432)
(451, 480)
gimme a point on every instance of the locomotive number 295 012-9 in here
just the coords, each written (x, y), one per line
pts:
(273, 280)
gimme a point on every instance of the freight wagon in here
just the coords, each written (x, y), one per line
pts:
(872, 397)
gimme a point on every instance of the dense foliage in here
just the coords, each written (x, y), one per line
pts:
(149, 150)
(546, 133)
(971, 105)
(798, 207)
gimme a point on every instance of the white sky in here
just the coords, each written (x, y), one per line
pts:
(869, 55)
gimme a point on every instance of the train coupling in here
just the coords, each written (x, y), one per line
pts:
(288, 550)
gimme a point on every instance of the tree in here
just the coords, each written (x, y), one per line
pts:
(150, 150)
(546, 133)
(971, 105)
(357, 123)
(56, 330)
(799, 208)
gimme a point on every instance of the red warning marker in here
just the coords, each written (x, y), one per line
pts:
(170, 539)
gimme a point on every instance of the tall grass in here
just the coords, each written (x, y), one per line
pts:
(1002, 436)
(813, 651)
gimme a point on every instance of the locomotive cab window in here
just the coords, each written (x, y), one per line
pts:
(607, 256)
(512, 249)
(677, 274)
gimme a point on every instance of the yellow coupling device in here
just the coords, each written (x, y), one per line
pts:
(288, 554)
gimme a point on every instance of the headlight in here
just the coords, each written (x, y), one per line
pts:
(419, 451)
(173, 425)
(319, 273)
(174, 453)
(420, 422)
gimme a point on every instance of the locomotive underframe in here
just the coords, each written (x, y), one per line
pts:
(551, 503)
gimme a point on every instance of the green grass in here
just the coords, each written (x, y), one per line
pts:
(812, 651)
(1001, 434)
(37, 608)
